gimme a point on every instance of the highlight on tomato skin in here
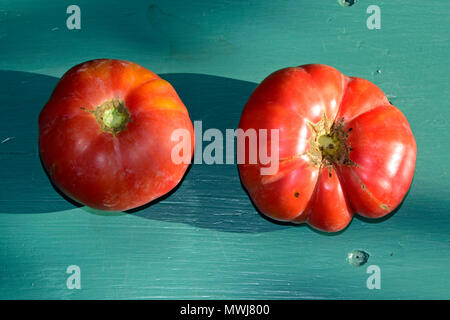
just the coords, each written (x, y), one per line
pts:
(343, 149)
(105, 135)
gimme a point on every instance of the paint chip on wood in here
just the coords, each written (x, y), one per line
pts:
(358, 257)
(346, 3)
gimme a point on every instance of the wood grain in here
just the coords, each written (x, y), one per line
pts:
(207, 240)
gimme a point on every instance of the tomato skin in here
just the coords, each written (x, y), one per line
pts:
(97, 168)
(381, 158)
(385, 151)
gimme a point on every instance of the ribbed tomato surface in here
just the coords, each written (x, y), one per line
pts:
(343, 148)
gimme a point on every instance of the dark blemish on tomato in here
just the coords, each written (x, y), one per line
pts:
(297, 194)
(350, 129)
(329, 171)
(358, 257)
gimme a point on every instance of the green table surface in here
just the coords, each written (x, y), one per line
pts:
(207, 241)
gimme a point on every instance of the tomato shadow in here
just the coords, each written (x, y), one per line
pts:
(195, 205)
(210, 196)
(25, 187)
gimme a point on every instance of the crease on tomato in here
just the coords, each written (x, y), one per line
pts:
(360, 96)
(367, 191)
(329, 209)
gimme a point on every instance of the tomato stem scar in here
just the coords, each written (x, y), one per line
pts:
(328, 143)
(112, 116)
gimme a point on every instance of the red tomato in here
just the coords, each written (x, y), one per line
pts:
(105, 135)
(343, 148)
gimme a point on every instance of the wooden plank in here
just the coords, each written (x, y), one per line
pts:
(207, 240)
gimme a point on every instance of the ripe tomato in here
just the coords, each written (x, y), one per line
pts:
(343, 148)
(105, 135)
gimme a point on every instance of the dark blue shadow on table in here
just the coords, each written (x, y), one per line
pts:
(210, 196)
(25, 187)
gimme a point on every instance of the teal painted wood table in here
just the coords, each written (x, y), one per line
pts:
(206, 240)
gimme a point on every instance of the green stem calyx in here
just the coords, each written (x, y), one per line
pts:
(112, 116)
(328, 144)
